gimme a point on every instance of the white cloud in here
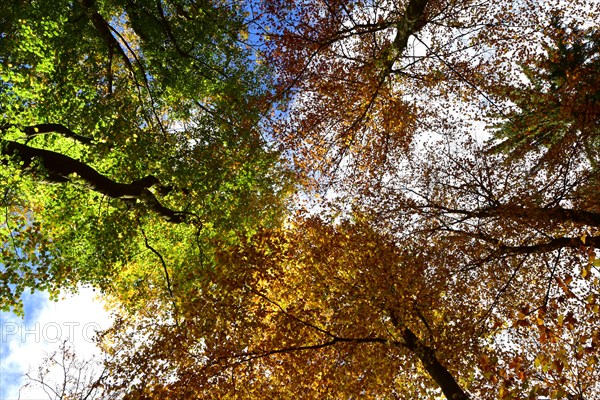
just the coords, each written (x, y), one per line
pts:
(25, 343)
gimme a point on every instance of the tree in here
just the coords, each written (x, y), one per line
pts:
(458, 263)
(122, 120)
(289, 306)
(441, 267)
(455, 282)
(79, 379)
(561, 87)
(367, 79)
(520, 247)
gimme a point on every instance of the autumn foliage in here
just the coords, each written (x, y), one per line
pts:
(312, 199)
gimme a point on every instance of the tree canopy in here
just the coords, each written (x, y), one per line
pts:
(311, 199)
(123, 122)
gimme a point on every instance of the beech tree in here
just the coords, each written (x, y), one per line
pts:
(468, 277)
(120, 121)
(369, 77)
(520, 246)
(309, 307)
(457, 142)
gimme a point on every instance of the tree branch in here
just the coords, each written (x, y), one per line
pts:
(245, 357)
(553, 244)
(542, 213)
(60, 169)
(103, 28)
(40, 129)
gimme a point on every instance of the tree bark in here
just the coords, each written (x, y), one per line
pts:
(60, 169)
(432, 364)
(40, 129)
(410, 24)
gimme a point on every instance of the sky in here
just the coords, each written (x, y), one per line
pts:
(24, 342)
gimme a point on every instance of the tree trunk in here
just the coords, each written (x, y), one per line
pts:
(434, 368)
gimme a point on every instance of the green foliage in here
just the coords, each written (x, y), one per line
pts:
(163, 91)
(559, 105)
